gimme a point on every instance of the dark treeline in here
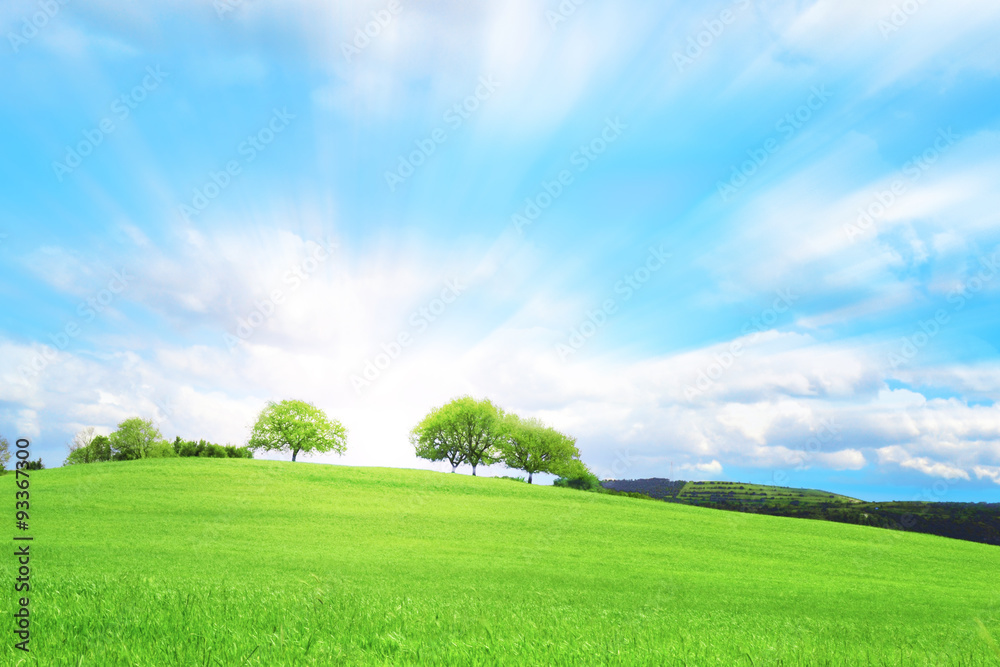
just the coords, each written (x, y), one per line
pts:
(973, 522)
(654, 487)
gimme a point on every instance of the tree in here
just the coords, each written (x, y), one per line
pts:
(134, 439)
(436, 439)
(4, 454)
(98, 449)
(297, 426)
(462, 431)
(533, 447)
(576, 475)
(79, 447)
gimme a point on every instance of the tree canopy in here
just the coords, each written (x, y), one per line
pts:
(135, 438)
(576, 475)
(531, 446)
(297, 426)
(4, 453)
(464, 430)
(96, 449)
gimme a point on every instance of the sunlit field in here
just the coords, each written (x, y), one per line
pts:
(230, 562)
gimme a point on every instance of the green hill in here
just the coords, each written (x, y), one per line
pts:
(737, 492)
(232, 562)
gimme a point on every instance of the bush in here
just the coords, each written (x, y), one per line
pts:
(234, 452)
(97, 451)
(515, 479)
(212, 451)
(35, 465)
(588, 482)
(161, 450)
(576, 475)
(209, 450)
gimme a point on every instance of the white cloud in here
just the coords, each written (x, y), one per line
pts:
(711, 468)
(846, 459)
(900, 456)
(27, 423)
(787, 400)
(988, 472)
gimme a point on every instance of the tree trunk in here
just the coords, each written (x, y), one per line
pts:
(529, 478)
(453, 466)
(473, 471)
(295, 453)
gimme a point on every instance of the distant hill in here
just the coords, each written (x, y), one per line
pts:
(654, 487)
(974, 522)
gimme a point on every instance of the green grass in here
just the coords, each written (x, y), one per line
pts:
(773, 495)
(232, 562)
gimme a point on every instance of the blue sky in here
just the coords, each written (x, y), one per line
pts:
(748, 240)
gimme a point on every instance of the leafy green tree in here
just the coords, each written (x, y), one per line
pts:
(78, 448)
(96, 449)
(4, 454)
(161, 449)
(100, 449)
(297, 426)
(576, 475)
(436, 439)
(533, 447)
(462, 431)
(134, 439)
(83, 438)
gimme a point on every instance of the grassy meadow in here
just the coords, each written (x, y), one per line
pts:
(245, 562)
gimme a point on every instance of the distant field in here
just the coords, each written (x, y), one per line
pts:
(736, 492)
(245, 562)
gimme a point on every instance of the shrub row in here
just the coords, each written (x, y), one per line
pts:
(210, 450)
